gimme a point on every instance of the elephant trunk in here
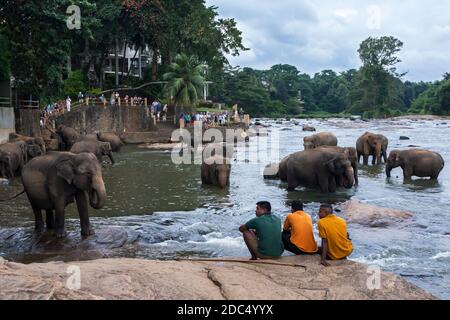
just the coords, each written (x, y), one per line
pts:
(223, 178)
(349, 178)
(97, 195)
(111, 158)
(388, 170)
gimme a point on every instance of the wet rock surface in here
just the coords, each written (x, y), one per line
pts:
(372, 216)
(289, 278)
(24, 245)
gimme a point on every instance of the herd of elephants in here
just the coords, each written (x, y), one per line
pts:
(56, 175)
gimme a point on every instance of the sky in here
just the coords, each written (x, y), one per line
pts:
(326, 34)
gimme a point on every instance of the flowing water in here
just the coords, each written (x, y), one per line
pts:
(178, 217)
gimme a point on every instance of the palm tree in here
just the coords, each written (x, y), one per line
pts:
(184, 82)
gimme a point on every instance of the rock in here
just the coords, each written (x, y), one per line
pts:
(296, 123)
(271, 171)
(286, 129)
(404, 138)
(159, 146)
(24, 245)
(309, 128)
(372, 216)
(413, 146)
(289, 278)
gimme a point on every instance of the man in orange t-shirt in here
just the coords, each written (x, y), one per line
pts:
(298, 236)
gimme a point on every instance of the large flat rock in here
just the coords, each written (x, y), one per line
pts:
(293, 278)
(372, 216)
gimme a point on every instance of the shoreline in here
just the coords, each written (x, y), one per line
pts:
(288, 278)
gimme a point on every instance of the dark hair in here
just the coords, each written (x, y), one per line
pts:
(297, 205)
(265, 205)
(326, 206)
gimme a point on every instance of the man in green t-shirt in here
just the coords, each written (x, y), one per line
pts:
(262, 235)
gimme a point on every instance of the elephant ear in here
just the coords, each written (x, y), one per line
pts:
(64, 170)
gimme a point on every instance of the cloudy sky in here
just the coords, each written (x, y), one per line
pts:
(325, 34)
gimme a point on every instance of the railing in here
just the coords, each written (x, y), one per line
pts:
(5, 102)
(28, 104)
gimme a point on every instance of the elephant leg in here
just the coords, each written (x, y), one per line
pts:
(60, 219)
(365, 159)
(39, 222)
(385, 156)
(332, 185)
(407, 173)
(292, 183)
(323, 182)
(49, 219)
(82, 205)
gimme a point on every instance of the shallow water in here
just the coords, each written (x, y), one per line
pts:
(178, 217)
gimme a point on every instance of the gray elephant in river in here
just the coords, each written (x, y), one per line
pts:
(67, 137)
(112, 138)
(98, 148)
(14, 155)
(31, 141)
(319, 168)
(55, 180)
(216, 171)
(415, 162)
(352, 156)
(320, 139)
(370, 144)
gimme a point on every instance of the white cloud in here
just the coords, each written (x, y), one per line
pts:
(317, 35)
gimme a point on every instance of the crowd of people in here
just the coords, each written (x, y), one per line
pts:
(211, 119)
(266, 239)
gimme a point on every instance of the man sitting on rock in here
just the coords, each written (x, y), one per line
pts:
(298, 236)
(262, 235)
(336, 244)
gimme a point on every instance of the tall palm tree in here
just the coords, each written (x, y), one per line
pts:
(185, 82)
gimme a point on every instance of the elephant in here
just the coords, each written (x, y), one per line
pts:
(415, 162)
(112, 138)
(319, 168)
(68, 137)
(55, 180)
(272, 171)
(320, 139)
(14, 155)
(98, 148)
(216, 171)
(352, 156)
(38, 141)
(370, 144)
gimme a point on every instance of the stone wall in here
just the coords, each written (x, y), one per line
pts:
(28, 122)
(7, 123)
(89, 119)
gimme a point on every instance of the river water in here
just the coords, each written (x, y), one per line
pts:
(176, 216)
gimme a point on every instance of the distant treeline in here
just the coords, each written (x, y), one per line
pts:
(375, 90)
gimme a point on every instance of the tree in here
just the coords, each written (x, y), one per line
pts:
(185, 81)
(376, 86)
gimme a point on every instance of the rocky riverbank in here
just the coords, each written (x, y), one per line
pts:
(290, 278)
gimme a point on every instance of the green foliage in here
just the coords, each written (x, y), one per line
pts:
(75, 83)
(4, 58)
(185, 81)
(435, 100)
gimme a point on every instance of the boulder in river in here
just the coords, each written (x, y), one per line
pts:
(289, 278)
(309, 128)
(404, 138)
(372, 216)
(271, 171)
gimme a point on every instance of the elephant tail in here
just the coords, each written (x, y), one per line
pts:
(16, 196)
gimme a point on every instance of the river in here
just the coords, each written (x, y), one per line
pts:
(176, 216)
